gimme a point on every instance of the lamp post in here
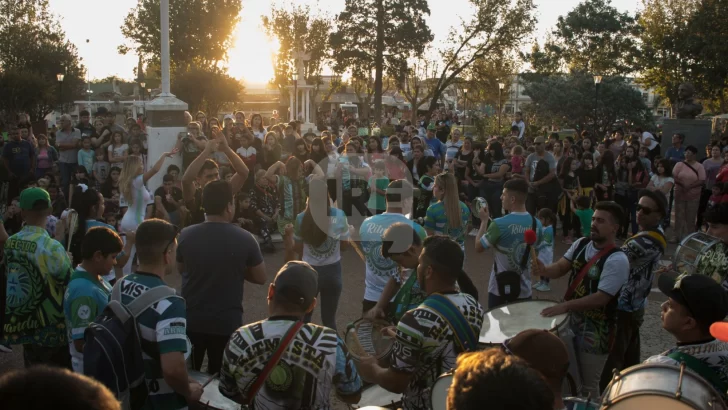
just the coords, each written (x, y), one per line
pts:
(60, 77)
(142, 89)
(295, 96)
(597, 81)
(501, 86)
(465, 103)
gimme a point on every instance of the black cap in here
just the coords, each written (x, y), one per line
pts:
(101, 111)
(717, 214)
(297, 284)
(657, 197)
(705, 298)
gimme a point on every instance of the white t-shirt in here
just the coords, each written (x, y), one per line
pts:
(118, 152)
(328, 252)
(259, 134)
(247, 152)
(660, 181)
(615, 272)
(521, 128)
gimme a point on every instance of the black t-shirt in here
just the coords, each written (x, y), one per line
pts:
(176, 195)
(587, 177)
(216, 257)
(460, 172)
(197, 214)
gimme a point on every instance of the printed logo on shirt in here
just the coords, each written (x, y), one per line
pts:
(84, 312)
(133, 289)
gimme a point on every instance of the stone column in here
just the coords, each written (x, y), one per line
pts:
(306, 113)
(291, 114)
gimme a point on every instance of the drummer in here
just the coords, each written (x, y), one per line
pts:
(545, 353)
(425, 345)
(317, 360)
(695, 302)
(644, 251)
(403, 245)
(592, 294)
(506, 235)
(717, 220)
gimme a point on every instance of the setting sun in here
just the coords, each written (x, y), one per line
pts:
(252, 56)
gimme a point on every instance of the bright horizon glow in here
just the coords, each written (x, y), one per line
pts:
(250, 59)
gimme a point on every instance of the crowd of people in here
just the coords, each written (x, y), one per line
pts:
(407, 203)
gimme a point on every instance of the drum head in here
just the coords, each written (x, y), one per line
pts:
(378, 397)
(211, 396)
(502, 323)
(439, 391)
(649, 402)
(366, 338)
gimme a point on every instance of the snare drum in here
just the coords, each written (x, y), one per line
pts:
(211, 396)
(660, 386)
(577, 403)
(376, 397)
(438, 393)
(702, 254)
(366, 338)
(504, 322)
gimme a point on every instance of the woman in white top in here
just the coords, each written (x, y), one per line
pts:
(320, 232)
(256, 124)
(131, 185)
(118, 151)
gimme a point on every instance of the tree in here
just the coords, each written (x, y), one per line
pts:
(33, 50)
(298, 30)
(569, 101)
(496, 28)
(594, 37)
(372, 34)
(707, 47)
(207, 90)
(200, 32)
(415, 81)
(664, 37)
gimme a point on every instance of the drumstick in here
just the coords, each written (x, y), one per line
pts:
(213, 377)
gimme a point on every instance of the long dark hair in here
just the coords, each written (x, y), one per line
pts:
(84, 203)
(315, 228)
(666, 165)
(379, 145)
(565, 167)
(319, 156)
(498, 148)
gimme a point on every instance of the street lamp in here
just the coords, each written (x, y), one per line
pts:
(60, 77)
(465, 103)
(501, 86)
(597, 81)
(295, 96)
(143, 84)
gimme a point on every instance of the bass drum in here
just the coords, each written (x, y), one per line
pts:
(700, 253)
(211, 396)
(439, 391)
(660, 386)
(376, 397)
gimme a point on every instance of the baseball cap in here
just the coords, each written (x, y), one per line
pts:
(431, 127)
(705, 298)
(543, 351)
(228, 117)
(33, 199)
(657, 197)
(539, 140)
(297, 283)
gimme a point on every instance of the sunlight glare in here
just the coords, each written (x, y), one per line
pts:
(253, 54)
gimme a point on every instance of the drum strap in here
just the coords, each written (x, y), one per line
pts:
(273, 361)
(585, 269)
(465, 337)
(702, 369)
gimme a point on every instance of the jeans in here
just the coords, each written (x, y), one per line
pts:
(495, 300)
(492, 191)
(213, 345)
(67, 170)
(633, 199)
(626, 349)
(330, 285)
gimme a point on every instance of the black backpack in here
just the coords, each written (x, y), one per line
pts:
(112, 353)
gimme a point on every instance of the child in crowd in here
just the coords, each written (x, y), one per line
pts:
(645, 160)
(80, 176)
(175, 171)
(244, 215)
(584, 212)
(101, 168)
(377, 187)
(86, 154)
(517, 160)
(136, 150)
(718, 195)
(429, 168)
(112, 219)
(546, 250)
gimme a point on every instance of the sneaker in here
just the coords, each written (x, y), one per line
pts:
(473, 232)
(536, 285)
(545, 287)
(5, 348)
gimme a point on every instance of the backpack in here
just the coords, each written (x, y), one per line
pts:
(113, 354)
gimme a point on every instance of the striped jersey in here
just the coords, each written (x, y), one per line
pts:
(163, 329)
(436, 220)
(315, 362)
(87, 295)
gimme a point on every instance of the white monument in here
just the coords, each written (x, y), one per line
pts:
(165, 114)
(302, 94)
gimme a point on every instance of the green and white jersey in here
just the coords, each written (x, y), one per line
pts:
(163, 329)
(328, 252)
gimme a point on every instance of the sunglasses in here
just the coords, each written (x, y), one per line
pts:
(645, 210)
